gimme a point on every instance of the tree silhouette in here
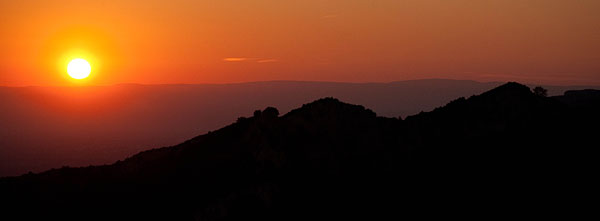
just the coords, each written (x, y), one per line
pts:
(270, 112)
(540, 91)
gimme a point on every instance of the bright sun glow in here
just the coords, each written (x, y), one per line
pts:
(79, 68)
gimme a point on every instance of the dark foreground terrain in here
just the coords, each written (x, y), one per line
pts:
(47, 127)
(507, 152)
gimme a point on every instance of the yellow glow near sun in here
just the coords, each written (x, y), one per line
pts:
(79, 68)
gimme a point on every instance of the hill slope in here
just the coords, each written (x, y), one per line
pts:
(334, 160)
(48, 127)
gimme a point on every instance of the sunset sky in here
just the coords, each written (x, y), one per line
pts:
(185, 41)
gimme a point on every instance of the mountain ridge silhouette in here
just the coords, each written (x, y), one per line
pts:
(330, 159)
(48, 127)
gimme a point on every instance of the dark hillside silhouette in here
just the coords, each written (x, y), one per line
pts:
(506, 151)
(48, 127)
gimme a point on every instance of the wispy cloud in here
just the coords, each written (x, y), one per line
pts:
(257, 60)
(234, 59)
(266, 60)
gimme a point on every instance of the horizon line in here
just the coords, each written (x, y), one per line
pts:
(299, 81)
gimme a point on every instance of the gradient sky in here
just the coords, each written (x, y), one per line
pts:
(179, 41)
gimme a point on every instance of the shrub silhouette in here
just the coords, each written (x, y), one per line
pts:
(270, 112)
(540, 91)
(257, 113)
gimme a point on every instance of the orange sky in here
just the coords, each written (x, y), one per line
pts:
(178, 41)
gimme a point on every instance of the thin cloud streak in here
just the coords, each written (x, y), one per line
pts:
(267, 60)
(234, 59)
(258, 60)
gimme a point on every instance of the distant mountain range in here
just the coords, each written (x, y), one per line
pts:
(504, 153)
(49, 127)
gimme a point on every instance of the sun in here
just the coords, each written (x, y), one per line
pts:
(79, 68)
